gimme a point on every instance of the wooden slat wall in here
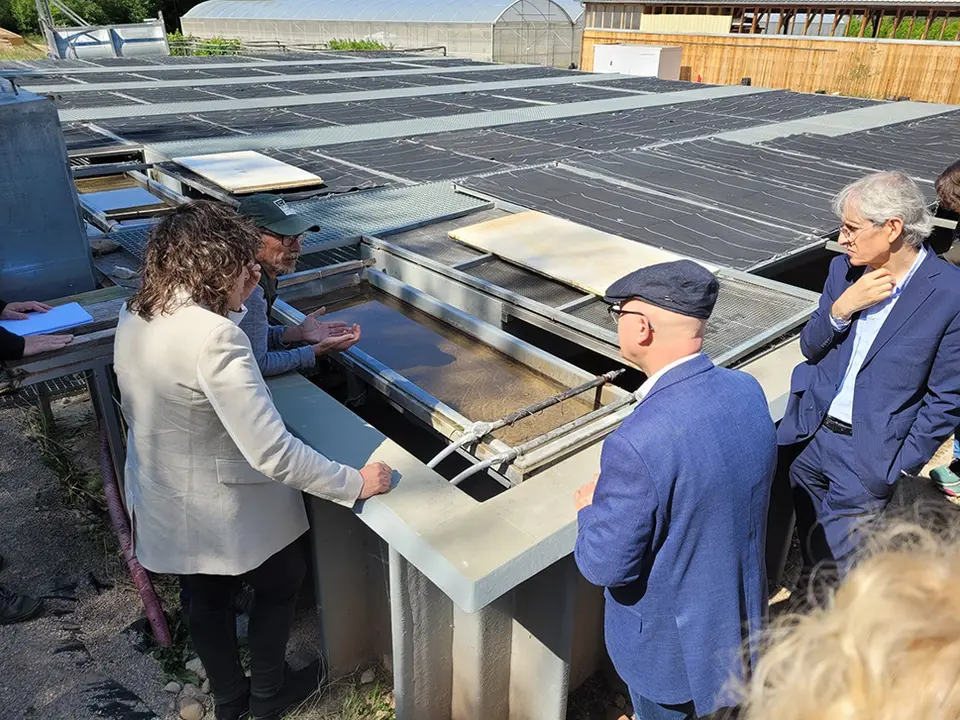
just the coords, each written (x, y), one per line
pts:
(864, 68)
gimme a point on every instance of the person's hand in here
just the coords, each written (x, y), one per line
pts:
(584, 496)
(873, 287)
(37, 344)
(376, 479)
(19, 310)
(313, 331)
(251, 281)
(338, 343)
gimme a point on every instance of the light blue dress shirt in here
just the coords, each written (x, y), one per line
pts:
(864, 332)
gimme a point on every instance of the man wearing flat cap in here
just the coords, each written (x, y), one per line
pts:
(673, 527)
(281, 349)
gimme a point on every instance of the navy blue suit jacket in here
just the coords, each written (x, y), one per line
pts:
(676, 533)
(906, 398)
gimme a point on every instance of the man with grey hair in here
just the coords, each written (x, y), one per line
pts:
(880, 389)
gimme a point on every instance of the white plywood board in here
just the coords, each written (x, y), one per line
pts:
(578, 255)
(247, 171)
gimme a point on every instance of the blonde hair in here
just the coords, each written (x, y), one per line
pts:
(885, 647)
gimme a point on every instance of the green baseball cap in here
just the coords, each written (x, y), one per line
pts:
(272, 213)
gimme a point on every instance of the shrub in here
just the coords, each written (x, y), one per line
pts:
(181, 44)
(356, 45)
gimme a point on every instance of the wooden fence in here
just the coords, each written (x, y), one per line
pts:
(918, 70)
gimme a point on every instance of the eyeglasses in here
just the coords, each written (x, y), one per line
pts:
(851, 233)
(288, 241)
(616, 312)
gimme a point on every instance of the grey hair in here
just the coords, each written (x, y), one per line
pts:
(887, 195)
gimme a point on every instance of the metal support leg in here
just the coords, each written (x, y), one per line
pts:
(422, 627)
(105, 399)
(43, 405)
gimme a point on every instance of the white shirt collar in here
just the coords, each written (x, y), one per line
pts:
(921, 256)
(237, 317)
(648, 384)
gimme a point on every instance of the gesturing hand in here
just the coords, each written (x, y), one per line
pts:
(19, 310)
(376, 479)
(873, 287)
(584, 496)
(313, 331)
(37, 344)
(337, 343)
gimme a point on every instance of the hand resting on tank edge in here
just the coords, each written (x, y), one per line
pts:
(377, 477)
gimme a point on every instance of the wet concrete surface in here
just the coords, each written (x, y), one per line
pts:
(472, 378)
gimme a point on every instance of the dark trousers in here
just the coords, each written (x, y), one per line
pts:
(212, 623)
(832, 503)
(645, 709)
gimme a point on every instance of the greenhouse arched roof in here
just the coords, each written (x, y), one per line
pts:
(416, 11)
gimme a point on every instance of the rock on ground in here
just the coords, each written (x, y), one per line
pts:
(191, 709)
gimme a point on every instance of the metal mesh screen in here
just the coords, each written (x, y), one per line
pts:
(596, 313)
(746, 311)
(747, 315)
(58, 387)
(133, 240)
(520, 281)
(322, 258)
(373, 212)
(432, 241)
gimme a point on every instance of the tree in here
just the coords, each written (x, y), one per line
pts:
(21, 15)
(24, 14)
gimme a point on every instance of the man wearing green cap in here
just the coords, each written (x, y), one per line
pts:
(281, 349)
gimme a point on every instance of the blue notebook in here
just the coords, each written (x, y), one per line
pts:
(59, 318)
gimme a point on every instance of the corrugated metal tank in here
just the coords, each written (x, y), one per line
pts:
(44, 251)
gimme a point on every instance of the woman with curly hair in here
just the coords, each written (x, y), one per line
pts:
(213, 477)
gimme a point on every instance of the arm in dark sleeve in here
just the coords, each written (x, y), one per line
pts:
(939, 414)
(820, 333)
(616, 532)
(11, 345)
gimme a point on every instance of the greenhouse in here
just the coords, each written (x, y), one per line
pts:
(537, 32)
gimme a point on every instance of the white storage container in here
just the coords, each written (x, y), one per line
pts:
(640, 60)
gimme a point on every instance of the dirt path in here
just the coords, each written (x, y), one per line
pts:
(80, 661)
(75, 662)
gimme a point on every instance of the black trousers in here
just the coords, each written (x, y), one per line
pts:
(212, 623)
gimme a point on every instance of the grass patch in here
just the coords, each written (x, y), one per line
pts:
(348, 699)
(356, 45)
(183, 45)
(34, 48)
(83, 487)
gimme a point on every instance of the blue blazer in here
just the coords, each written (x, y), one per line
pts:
(907, 394)
(676, 533)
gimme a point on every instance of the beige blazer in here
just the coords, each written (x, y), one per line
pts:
(213, 476)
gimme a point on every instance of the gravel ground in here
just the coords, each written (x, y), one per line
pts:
(78, 660)
(74, 662)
